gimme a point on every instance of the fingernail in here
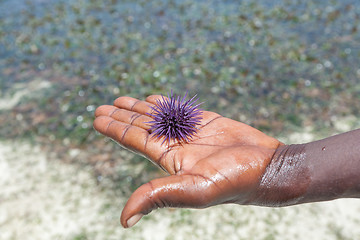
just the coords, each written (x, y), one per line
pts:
(134, 219)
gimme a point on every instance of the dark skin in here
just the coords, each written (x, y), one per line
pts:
(226, 162)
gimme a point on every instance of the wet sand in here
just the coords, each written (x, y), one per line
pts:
(44, 198)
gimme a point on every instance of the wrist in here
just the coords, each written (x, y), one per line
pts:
(286, 178)
(317, 171)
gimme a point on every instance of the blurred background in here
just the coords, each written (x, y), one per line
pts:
(289, 68)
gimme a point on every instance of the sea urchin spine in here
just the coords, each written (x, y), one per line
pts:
(175, 118)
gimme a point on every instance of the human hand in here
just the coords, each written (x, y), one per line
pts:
(223, 163)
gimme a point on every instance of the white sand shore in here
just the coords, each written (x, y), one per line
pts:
(44, 198)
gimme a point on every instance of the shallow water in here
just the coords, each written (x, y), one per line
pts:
(279, 63)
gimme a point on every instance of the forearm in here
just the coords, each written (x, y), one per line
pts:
(318, 171)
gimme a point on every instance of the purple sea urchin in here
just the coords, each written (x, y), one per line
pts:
(175, 118)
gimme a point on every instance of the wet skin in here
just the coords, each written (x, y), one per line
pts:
(226, 162)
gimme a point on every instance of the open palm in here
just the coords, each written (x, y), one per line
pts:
(223, 163)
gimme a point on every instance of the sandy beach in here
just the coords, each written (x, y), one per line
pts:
(44, 198)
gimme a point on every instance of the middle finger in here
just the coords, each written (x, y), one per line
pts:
(134, 105)
(125, 116)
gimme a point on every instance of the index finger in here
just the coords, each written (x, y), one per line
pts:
(131, 137)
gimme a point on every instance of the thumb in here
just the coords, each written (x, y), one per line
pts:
(171, 191)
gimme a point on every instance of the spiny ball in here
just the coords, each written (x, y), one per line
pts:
(175, 118)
